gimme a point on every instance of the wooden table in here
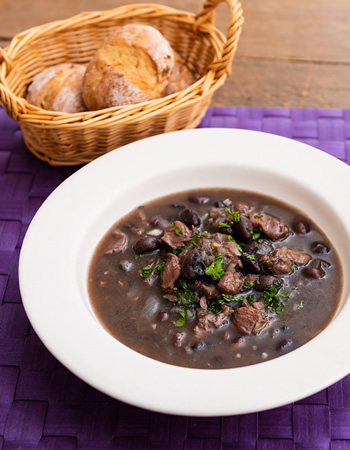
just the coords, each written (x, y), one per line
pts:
(291, 53)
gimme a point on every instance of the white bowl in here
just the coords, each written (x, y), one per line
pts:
(64, 233)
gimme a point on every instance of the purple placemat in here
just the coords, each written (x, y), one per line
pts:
(43, 405)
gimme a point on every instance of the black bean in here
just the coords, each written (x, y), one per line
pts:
(265, 281)
(146, 244)
(198, 346)
(190, 217)
(155, 220)
(243, 228)
(192, 265)
(317, 247)
(301, 227)
(163, 316)
(199, 199)
(250, 264)
(314, 272)
(126, 265)
(251, 247)
(284, 345)
(226, 230)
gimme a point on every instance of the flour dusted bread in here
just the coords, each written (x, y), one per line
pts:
(132, 66)
(180, 77)
(58, 88)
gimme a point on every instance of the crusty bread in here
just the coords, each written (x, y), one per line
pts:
(58, 88)
(132, 66)
(180, 77)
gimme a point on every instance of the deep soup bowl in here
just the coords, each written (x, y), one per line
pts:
(63, 235)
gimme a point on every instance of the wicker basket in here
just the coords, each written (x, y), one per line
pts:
(69, 139)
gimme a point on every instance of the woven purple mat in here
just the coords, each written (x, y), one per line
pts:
(43, 405)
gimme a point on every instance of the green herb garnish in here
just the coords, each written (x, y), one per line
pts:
(255, 233)
(214, 306)
(272, 300)
(187, 296)
(236, 217)
(178, 231)
(182, 319)
(136, 255)
(160, 266)
(145, 271)
(223, 225)
(301, 304)
(196, 235)
(251, 257)
(178, 250)
(248, 284)
(216, 270)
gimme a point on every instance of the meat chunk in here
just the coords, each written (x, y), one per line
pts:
(176, 235)
(208, 321)
(242, 207)
(231, 283)
(179, 338)
(251, 319)
(120, 243)
(281, 260)
(272, 227)
(171, 272)
(208, 291)
(234, 282)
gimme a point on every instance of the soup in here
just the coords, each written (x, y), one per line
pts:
(215, 278)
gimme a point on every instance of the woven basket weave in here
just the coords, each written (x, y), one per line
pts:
(70, 139)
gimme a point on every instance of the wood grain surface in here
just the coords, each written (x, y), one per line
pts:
(291, 53)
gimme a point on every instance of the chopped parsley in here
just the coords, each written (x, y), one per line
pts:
(214, 306)
(258, 216)
(293, 267)
(191, 242)
(248, 284)
(178, 250)
(187, 296)
(145, 271)
(223, 225)
(240, 247)
(241, 298)
(160, 266)
(178, 231)
(182, 319)
(301, 304)
(136, 255)
(272, 300)
(251, 257)
(196, 235)
(255, 233)
(235, 216)
(216, 270)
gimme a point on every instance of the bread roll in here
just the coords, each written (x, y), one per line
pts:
(58, 88)
(180, 76)
(130, 67)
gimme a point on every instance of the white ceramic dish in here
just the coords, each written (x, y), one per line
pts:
(63, 235)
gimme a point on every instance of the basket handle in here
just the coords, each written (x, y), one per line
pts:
(12, 104)
(222, 65)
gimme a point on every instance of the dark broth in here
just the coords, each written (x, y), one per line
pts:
(132, 308)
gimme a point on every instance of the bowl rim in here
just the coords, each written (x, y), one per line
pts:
(55, 253)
